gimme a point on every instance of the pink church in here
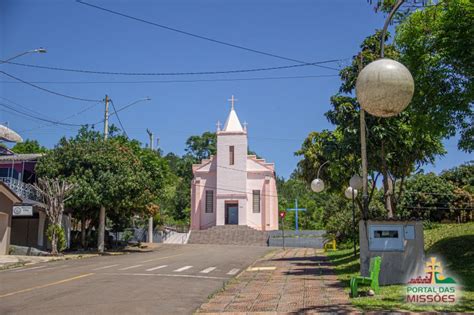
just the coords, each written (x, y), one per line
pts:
(234, 188)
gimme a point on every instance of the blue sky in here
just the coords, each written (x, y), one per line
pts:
(280, 112)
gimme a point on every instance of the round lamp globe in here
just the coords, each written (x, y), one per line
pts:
(356, 182)
(317, 185)
(348, 192)
(384, 88)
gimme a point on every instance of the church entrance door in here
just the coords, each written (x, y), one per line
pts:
(232, 213)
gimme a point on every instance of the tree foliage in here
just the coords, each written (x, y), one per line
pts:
(116, 174)
(436, 44)
(29, 146)
(395, 147)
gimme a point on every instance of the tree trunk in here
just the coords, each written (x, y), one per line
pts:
(83, 233)
(101, 231)
(54, 242)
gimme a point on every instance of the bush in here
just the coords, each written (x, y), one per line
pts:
(57, 230)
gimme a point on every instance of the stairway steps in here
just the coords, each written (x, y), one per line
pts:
(229, 235)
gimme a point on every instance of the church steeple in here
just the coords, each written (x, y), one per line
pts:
(232, 123)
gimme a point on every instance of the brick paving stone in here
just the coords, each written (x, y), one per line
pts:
(302, 282)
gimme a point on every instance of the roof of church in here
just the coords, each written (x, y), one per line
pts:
(232, 123)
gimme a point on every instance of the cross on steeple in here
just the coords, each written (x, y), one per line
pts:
(245, 125)
(232, 100)
(218, 125)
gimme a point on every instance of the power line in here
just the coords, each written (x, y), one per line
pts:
(183, 81)
(232, 190)
(118, 117)
(64, 119)
(119, 110)
(36, 117)
(24, 107)
(200, 36)
(171, 73)
(49, 91)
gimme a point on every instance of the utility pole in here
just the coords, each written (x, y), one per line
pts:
(101, 232)
(150, 134)
(106, 118)
(150, 219)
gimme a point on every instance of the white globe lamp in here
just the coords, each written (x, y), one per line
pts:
(384, 88)
(348, 192)
(317, 185)
(356, 182)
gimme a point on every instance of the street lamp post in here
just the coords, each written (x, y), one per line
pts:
(40, 50)
(351, 193)
(317, 185)
(384, 88)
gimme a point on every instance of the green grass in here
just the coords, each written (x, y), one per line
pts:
(453, 242)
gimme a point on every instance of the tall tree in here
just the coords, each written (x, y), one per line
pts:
(437, 45)
(110, 174)
(55, 193)
(395, 145)
(29, 146)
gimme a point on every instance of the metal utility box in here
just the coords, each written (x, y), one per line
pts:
(386, 237)
(399, 243)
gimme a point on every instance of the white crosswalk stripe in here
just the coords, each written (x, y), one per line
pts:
(21, 270)
(131, 267)
(183, 268)
(105, 267)
(156, 268)
(233, 271)
(207, 270)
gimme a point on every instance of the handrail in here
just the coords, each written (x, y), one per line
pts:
(22, 189)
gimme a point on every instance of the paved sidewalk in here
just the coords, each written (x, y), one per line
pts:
(8, 261)
(298, 280)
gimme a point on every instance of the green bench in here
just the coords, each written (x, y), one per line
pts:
(372, 279)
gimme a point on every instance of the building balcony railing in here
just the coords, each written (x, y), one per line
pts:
(22, 189)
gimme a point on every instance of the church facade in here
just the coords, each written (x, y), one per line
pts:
(233, 187)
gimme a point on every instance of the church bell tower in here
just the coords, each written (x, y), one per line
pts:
(232, 149)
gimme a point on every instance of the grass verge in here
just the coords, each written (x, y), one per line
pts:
(454, 243)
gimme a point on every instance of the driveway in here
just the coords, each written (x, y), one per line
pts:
(173, 279)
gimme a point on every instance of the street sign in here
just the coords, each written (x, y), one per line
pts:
(22, 210)
(282, 214)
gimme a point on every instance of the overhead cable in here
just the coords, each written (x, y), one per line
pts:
(118, 118)
(172, 73)
(37, 117)
(183, 81)
(49, 91)
(202, 37)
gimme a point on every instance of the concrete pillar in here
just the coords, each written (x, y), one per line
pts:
(150, 230)
(4, 233)
(41, 222)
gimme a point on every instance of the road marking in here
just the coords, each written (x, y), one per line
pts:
(26, 269)
(155, 268)
(164, 275)
(207, 270)
(162, 258)
(105, 267)
(183, 268)
(56, 267)
(131, 267)
(233, 271)
(260, 268)
(46, 285)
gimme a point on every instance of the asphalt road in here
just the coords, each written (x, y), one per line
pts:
(173, 279)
